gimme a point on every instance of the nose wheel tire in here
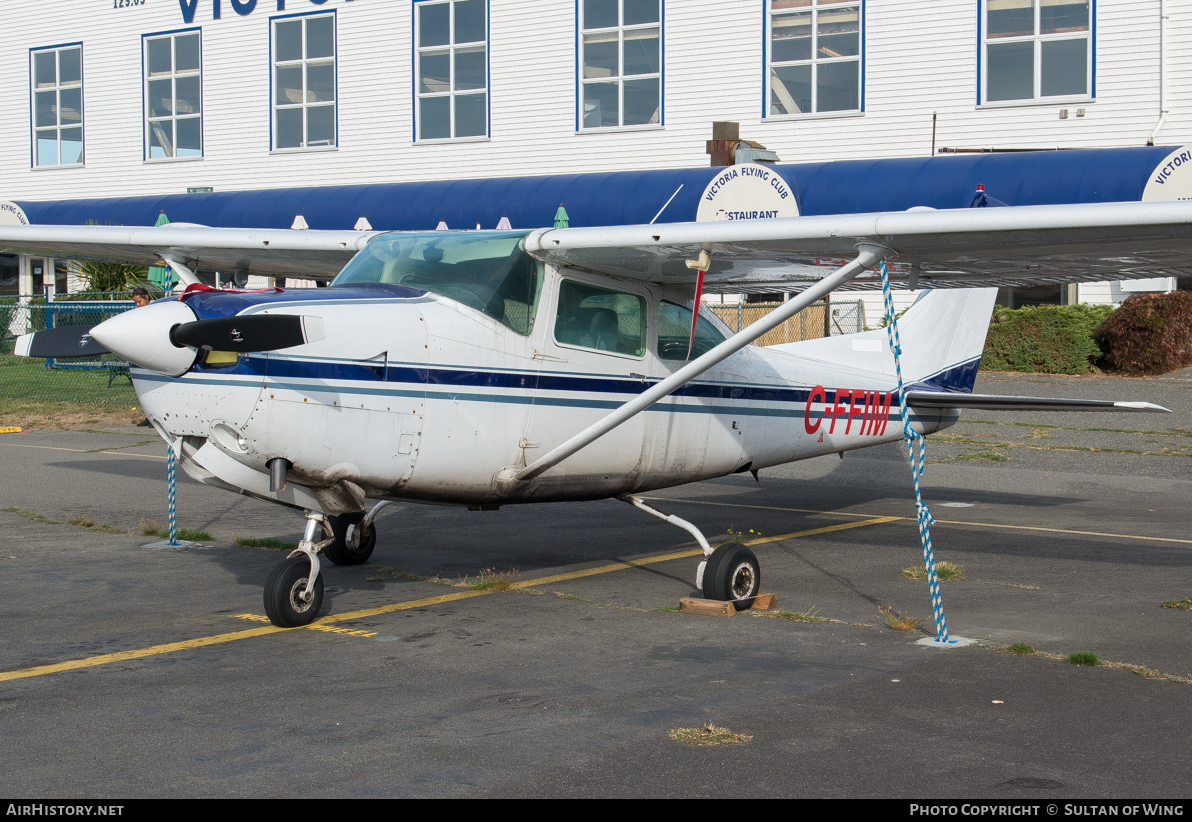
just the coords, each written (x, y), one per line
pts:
(733, 574)
(284, 589)
(351, 548)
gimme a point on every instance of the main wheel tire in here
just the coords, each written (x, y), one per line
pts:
(283, 588)
(357, 549)
(733, 574)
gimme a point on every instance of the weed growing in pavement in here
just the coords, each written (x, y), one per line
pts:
(33, 515)
(491, 579)
(150, 527)
(1083, 658)
(1184, 604)
(988, 456)
(708, 735)
(740, 536)
(898, 620)
(375, 579)
(1021, 648)
(795, 616)
(943, 570)
(82, 522)
(187, 534)
(263, 542)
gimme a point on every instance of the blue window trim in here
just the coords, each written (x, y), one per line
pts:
(579, 102)
(335, 40)
(488, 75)
(766, 69)
(145, 85)
(1034, 100)
(82, 114)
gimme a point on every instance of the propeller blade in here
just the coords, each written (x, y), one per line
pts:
(59, 343)
(255, 332)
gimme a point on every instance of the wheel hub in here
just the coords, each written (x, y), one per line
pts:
(742, 582)
(298, 598)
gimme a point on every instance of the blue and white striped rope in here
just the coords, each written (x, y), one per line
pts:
(171, 483)
(914, 438)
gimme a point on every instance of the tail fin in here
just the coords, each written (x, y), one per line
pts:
(942, 335)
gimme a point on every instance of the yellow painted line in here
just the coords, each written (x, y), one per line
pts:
(137, 653)
(1062, 531)
(827, 529)
(324, 623)
(938, 521)
(83, 450)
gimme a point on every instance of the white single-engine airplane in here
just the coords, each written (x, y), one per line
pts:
(487, 368)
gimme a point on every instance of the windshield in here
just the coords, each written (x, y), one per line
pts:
(486, 270)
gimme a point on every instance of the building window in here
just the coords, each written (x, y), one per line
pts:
(451, 55)
(173, 92)
(58, 106)
(815, 56)
(621, 63)
(304, 81)
(1035, 49)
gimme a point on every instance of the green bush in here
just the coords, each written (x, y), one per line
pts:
(1048, 339)
(1149, 334)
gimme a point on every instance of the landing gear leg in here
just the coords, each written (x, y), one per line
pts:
(294, 589)
(642, 505)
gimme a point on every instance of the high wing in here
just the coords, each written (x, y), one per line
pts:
(956, 248)
(269, 252)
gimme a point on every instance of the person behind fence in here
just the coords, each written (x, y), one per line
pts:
(141, 297)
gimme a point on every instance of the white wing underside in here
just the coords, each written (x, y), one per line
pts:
(960, 248)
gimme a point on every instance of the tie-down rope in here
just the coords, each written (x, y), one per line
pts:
(912, 438)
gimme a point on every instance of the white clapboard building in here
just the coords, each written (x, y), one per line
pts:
(136, 98)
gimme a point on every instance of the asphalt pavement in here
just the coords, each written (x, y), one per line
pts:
(147, 671)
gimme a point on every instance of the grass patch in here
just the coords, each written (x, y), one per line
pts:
(419, 578)
(33, 515)
(708, 735)
(375, 579)
(1184, 604)
(1021, 648)
(91, 525)
(667, 609)
(51, 414)
(1083, 658)
(269, 543)
(491, 579)
(740, 536)
(899, 621)
(187, 534)
(944, 570)
(986, 456)
(794, 616)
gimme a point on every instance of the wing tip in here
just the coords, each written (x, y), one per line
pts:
(23, 344)
(1141, 406)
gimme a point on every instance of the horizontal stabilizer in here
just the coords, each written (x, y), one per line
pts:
(997, 402)
(59, 343)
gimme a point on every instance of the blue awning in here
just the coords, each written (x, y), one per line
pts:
(634, 197)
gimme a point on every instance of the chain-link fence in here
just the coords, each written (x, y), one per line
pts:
(99, 380)
(816, 320)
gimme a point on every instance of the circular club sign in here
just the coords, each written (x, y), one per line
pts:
(747, 192)
(1172, 178)
(11, 214)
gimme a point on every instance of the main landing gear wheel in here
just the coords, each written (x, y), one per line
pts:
(285, 587)
(351, 548)
(733, 575)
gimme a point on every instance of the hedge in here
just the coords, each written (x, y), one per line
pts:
(1149, 334)
(1049, 339)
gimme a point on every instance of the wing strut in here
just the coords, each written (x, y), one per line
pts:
(869, 255)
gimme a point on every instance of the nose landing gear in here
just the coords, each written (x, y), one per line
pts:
(294, 589)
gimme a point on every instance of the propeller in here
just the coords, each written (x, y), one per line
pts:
(59, 343)
(165, 336)
(255, 332)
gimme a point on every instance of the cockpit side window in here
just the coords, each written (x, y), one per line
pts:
(489, 271)
(674, 332)
(600, 319)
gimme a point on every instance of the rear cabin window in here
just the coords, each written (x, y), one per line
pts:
(600, 319)
(674, 333)
(489, 271)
